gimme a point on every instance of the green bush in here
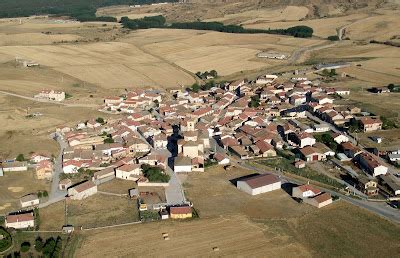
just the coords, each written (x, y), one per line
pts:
(333, 38)
(25, 246)
(6, 242)
(155, 174)
(20, 157)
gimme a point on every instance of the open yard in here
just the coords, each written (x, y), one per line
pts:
(101, 210)
(14, 185)
(52, 217)
(271, 224)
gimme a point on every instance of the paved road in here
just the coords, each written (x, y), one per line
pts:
(47, 101)
(381, 209)
(56, 194)
(174, 192)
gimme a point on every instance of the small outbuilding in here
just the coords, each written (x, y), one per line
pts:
(29, 200)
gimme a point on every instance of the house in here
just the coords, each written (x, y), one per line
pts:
(324, 149)
(72, 166)
(64, 184)
(181, 212)
(368, 186)
(391, 183)
(265, 149)
(350, 150)
(36, 158)
(309, 154)
(266, 79)
(303, 139)
(160, 141)
(182, 164)
(339, 138)
(221, 159)
(104, 175)
(239, 151)
(370, 124)
(128, 172)
(319, 200)
(82, 190)
(14, 166)
(305, 191)
(20, 221)
(259, 184)
(44, 169)
(51, 95)
(371, 164)
(29, 200)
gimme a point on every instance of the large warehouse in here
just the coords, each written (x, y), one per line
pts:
(259, 184)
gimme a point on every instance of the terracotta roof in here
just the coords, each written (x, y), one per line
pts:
(305, 188)
(322, 197)
(84, 186)
(20, 218)
(180, 210)
(261, 180)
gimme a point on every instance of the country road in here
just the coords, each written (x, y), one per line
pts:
(298, 53)
(381, 209)
(48, 102)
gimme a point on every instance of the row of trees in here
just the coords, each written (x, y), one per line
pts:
(80, 10)
(160, 22)
(207, 74)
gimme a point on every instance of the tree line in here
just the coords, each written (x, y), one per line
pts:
(160, 22)
(77, 9)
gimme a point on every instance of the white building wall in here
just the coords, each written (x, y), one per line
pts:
(20, 225)
(178, 169)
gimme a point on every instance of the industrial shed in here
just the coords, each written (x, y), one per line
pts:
(259, 184)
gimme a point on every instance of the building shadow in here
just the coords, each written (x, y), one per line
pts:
(235, 180)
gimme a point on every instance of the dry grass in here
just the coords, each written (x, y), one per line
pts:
(271, 224)
(215, 201)
(52, 217)
(234, 236)
(390, 139)
(117, 186)
(20, 134)
(14, 185)
(102, 210)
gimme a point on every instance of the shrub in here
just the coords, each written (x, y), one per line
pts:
(20, 157)
(25, 246)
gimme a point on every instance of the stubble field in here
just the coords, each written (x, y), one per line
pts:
(271, 224)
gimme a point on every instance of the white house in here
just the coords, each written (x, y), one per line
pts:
(29, 200)
(305, 191)
(319, 200)
(82, 191)
(51, 95)
(221, 159)
(182, 164)
(339, 138)
(20, 221)
(259, 184)
(129, 172)
(14, 166)
(371, 164)
(36, 158)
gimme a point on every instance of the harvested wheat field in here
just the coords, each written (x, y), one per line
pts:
(52, 217)
(201, 50)
(288, 13)
(233, 223)
(232, 236)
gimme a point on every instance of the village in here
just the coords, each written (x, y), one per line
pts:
(271, 125)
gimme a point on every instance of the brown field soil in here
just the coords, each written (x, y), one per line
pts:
(226, 53)
(102, 210)
(234, 236)
(14, 185)
(271, 224)
(117, 186)
(20, 134)
(52, 217)
(390, 139)
(213, 200)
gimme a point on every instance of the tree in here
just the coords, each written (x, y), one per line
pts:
(39, 244)
(155, 174)
(195, 87)
(109, 140)
(25, 246)
(100, 120)
(255, 101)
(20, 157)
(214, 73)
(45, 194)
(39, 194)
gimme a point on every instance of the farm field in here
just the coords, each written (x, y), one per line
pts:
(52, 217)
(236, 223)
(20, 134)
(226, 53)
(101, 210)
(14, 185)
